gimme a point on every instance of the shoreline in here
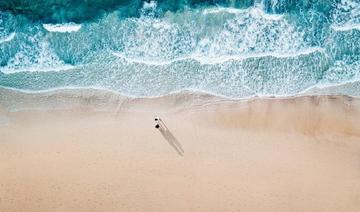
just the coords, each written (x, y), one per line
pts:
(347, 88)
(9, 96)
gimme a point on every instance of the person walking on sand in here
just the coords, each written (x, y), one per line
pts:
(157, 122)
(169, 137)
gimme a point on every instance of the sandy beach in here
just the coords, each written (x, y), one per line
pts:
(257, 105)
(291, 154)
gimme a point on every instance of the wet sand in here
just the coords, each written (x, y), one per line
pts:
(295, 154)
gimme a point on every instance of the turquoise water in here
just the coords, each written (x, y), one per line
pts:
(148, 48)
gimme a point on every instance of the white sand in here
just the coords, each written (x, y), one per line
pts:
(300, 154)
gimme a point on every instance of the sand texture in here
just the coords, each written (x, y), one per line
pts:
(290, 154)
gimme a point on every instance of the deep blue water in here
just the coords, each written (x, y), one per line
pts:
(145, 48)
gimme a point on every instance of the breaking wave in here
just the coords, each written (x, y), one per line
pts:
(148, 48)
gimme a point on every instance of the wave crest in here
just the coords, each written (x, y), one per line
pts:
(233, 48)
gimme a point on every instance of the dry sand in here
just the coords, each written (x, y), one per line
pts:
(297, 154)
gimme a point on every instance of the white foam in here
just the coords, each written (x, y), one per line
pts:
(256, 12)
(37, 68)
(154, 62)
(347, 27)
(223, 59)
(39, 59)
(332, 88)
(223, 9)
(202, 59)
(68, 27)
(150, 5)
(8, 38)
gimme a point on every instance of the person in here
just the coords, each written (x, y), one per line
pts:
(170, 138)
(157, 121)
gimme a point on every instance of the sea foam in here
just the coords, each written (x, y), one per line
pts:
(7, 38)
(230, 48)
(68, 27)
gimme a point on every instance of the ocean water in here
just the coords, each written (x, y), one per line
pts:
(234, 48)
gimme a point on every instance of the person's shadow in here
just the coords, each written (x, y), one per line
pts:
(170, 138)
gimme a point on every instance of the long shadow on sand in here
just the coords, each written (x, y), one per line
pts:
(170, 138)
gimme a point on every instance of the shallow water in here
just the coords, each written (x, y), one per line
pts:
(233, 48)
